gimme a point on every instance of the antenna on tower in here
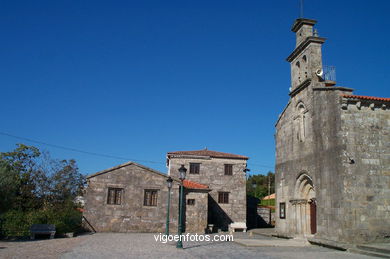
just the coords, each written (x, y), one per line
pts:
(301, 8)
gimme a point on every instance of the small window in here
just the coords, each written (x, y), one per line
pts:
(223, 197)
(191, 202)
(114, 196)
(150, 198)
(282, 210)
(194, 168)
(228, 169)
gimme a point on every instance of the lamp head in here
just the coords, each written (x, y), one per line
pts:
(169, 182)
(182, 172)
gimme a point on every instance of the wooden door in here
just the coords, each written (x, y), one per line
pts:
(313, 216)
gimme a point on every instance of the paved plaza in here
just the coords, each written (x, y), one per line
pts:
(143, 245)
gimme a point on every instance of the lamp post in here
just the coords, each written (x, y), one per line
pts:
(169, 183)
(182, 176)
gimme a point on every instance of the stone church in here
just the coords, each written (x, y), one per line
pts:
(332, 154)
(134, 198)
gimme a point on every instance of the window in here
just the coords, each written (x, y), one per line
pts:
(223, 197)
(194, 168)
(150, 198)
(302, 122)
(282, 210)
(114, 196)
(228, 169)
(191, 202)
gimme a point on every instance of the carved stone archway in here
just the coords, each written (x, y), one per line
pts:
(304, 206)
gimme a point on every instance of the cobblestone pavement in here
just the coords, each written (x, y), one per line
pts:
(128, 245)
(45, 248)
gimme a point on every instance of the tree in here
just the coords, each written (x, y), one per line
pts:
(258, 185)
(36, 189)
(19, 167)
(9, 185)
(30, 179)
(67, 182)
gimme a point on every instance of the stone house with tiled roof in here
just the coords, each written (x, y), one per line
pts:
(332, 170)
(133, 198)
(224, 174)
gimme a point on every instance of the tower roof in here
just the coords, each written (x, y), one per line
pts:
(301, 21)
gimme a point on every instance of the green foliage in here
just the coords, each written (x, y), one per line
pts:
(36, 189)
(268, 202)
(9, 184)
(17, 223)
(260, 185)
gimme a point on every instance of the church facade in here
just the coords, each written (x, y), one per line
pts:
(332, 154)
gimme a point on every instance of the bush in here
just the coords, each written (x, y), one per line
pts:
(17, 223)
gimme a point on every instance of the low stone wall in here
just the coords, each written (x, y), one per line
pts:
(267, 217)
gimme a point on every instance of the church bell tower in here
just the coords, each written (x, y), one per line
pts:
(306, 59)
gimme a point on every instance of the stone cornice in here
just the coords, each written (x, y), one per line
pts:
(301, 21)
(303, 45)
(300, 87)
(333, 88)
(298, 201)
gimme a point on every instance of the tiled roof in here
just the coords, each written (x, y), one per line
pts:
(210, 153)
(194, 185)
(269, 197)
(366, 97)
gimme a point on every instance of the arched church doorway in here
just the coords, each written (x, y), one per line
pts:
(304, 206)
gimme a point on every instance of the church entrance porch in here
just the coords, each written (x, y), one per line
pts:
(304, 208)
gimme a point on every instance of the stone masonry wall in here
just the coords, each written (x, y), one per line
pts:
(212, 174)
(131, 215)
(366, 182)
(196, 215)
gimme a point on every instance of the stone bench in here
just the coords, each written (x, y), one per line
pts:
(237, 225)
(42, 229)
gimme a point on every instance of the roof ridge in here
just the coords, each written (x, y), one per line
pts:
(124, 165)
(207, 152)
(366, 97)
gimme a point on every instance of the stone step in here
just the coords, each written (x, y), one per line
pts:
(384, 249)
(368, 252)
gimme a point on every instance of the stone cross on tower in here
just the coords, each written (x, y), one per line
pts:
(306, 58)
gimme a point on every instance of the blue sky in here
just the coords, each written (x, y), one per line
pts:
(137, 79)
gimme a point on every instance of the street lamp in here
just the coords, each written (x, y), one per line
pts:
(169, 183)
(182, 176)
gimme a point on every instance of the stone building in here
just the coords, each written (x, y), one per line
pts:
(332, 154)
(133, 198)
(224, 174)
